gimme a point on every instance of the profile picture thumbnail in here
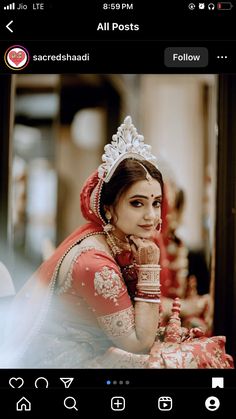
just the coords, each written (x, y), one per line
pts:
(17, 57)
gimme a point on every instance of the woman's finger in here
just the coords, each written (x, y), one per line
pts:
(134, 249)
(138, 242)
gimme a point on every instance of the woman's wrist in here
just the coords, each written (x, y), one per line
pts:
(148, 276)
(148, 300)
(148, 285)
(148, 265)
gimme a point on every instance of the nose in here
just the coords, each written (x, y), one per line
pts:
(150, 214)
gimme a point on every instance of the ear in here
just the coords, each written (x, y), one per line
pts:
(111, 211)
(107, 211)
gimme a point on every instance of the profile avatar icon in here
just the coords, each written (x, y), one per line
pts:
(212, 403)
(16, 57)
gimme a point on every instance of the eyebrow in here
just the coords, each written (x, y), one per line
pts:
(144, 197)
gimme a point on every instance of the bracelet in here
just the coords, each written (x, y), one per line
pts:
(149, 286)
(149, 278)
(149, 272)
(148, 266)
(156, 300)
(147, 295)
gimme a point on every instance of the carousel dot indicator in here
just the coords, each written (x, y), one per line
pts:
(108, 382)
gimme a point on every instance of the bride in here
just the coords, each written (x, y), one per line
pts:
(95, 303)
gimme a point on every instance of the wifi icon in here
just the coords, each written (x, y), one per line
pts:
(66, 381)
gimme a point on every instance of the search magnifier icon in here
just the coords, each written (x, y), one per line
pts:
(70, 403)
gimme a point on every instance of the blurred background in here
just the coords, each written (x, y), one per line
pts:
(53, 131)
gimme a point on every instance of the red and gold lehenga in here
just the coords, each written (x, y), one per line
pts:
(70, 312)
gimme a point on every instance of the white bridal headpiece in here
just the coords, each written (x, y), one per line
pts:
(125, 143)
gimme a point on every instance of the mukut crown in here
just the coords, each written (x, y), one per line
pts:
(126, 143)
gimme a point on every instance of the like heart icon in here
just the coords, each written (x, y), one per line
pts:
(17, 56)
(16, 382)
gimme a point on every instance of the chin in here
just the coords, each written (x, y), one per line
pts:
(146, 235)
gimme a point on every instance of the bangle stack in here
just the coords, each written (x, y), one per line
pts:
(148, 286)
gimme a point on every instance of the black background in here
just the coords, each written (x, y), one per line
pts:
(188, 390)
(78, 20)
(71, 27)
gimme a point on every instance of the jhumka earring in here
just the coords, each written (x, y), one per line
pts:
(108, 227)
(159, 225)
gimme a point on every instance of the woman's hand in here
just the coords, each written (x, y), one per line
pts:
(144, 251)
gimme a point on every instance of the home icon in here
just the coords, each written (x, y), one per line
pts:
(23, 405)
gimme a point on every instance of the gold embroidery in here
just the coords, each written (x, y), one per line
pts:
(108, 284)
(65, 283)
(118, 324)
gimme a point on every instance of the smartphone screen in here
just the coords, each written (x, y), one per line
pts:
(117, 208)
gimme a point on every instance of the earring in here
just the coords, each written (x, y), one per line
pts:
(159, 226)
(108, 227)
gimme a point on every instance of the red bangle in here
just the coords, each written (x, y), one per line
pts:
(147, 295)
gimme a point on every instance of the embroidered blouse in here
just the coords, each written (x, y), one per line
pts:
(95, 287)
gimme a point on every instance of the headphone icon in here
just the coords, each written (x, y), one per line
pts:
(211, 6)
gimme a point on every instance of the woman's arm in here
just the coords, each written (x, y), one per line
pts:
(146, 308)
(146, 318)
(99, 281)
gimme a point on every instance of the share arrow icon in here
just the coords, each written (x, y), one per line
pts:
(66, 381)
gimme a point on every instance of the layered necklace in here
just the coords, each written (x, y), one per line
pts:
(123, 255)
(116, 244)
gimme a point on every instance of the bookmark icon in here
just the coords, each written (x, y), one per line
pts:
(67, 381)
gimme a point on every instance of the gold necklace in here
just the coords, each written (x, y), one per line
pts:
(117, 245)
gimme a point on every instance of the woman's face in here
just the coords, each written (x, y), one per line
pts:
(138, 210)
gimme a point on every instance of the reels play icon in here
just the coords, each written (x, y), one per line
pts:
(165, 403)
(16, 57)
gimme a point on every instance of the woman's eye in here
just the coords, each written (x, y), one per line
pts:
(157, 204)
(136, 204)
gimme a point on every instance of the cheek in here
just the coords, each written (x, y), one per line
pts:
(126, 215)
(159, 214)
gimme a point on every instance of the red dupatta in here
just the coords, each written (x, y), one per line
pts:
(30, 306)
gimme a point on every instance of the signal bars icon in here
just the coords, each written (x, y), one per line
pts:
(10, 6)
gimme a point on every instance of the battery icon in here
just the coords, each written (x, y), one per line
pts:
(224, 5)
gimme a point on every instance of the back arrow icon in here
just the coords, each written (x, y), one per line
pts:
(8, 26)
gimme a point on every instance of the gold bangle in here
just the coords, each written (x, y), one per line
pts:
(148, 266)
(149, 276)
(156, 300)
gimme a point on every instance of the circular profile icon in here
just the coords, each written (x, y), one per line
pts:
(16, 57)
(212, 403)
